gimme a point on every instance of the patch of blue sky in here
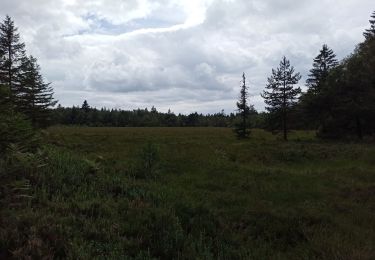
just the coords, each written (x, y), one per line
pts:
(103, 26)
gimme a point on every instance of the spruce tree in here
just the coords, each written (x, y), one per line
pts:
(13, 51)
(323, 63)
(370, 33)
(85, 106)
(35, 97)
(243, 111)
(282, 94)
(84, 117)
(312, 104)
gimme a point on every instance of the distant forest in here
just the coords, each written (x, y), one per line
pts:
(339, 101)
(86, 115)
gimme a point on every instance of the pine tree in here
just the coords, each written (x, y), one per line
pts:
(243, 111)
(323, 63)
(35, 97)
(282, 94)
(370, 33)
(13, 51)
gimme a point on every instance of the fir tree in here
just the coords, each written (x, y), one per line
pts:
(35, 97)
(323, 63)
(282, 94)
(13, 51)
(243, 111)
(370, 33)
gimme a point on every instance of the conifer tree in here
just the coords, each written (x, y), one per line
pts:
(13, 51)
(370, 33)
(84, 117)
(282, 94)
(85, 106)
(34, 97)
(243, 111)
(312, 104)
(323, 63)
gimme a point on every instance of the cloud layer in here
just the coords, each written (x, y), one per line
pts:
(184, 55)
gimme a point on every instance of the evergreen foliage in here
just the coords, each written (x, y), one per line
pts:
(27, 92)
(16, 130)
(85, 106)
(34, 95)
(241, 128)
(349, 96)
(12, 51)
(280, 94)
(5, 104)
(344, 105)
(323, 63)
(370, 33)
(147, 118)
(311, 103)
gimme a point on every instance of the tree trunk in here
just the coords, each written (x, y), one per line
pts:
(10, 71)
(284, 113)
(244, 122)
(284, 125)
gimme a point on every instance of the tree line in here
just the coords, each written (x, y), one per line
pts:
(85, 115)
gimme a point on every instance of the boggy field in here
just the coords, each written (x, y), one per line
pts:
(198, 193)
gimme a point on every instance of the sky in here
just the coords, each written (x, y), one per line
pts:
(183, 55)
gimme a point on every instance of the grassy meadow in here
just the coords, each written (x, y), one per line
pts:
(192, 193)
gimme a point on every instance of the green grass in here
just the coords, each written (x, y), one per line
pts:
(210, 196)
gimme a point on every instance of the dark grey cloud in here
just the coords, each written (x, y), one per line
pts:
(185, 55)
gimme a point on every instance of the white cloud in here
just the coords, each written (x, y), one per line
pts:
(187, 55)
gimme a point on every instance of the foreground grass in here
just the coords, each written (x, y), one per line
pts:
(209, 196)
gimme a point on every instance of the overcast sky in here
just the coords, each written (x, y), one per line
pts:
(186, 55)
